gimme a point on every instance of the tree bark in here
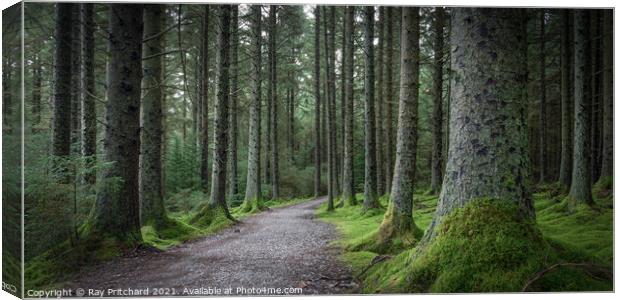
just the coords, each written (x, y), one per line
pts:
(273, 84)
(581, 185)
(61, 108)
(220, 130)
(36, 90)
(76, 89)
(607, 161)
(488, 147)
(542, 155)
(234, 96)
(331, 95)
(253, 185)
(437, 92)
(370, 168)
(379, 106)
(566, 155)
(398, 219)
(152, 211)
(117, 207)
(89, 113)
(317, 101)
(348, 190)
(204, 148)
(389, 97)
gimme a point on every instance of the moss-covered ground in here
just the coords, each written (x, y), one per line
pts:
(486, 247)
(49, 269)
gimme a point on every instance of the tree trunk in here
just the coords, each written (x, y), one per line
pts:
(607, 161)
(220, 130)
(117, 207)
(389, 97)
(152, 211)
(348, 190)
(234, 96)
(488, 146)
(595, 78)
(273, 78)
(566, 155)
(204, 155)
(89, 113)
(581, 185)
(317, 101)
(61, 108)
(36, 90)
(437, 138)
(379, 105)
(76, 90)
(370, 168)
(253, 185)
(543, 103)
(331, 95)
(398, 220)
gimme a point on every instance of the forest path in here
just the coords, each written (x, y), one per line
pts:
(280, 248)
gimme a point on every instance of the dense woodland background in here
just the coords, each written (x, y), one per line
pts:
(150, 125)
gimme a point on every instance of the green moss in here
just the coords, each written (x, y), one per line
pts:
(603, 188)
(53, 266)
(252, 206)
(211, 218)
(486, 247)
(169, 233)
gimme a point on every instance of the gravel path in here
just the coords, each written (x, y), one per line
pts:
(282, 248)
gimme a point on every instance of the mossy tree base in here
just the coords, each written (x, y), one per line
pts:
(486, 246)
(252, 206)
(396, 233)
(168, 233)
(212, 218)
(603, 187)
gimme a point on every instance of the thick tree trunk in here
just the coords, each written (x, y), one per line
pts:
(379, 106)
(317, 101)
(89, 113)
(152, 211)
(542, 155)
(117, 207)
(389, 97)
(204, 148)
(273, 84)
(398, 220)
(566, 154)
(61, 108)
(348, 190)
(488, 146)
(253, 185)
(437, 138)
(331, 95)
(595, 86)
(76, 89)
(581, 185)
(220, 130)
(234, 96)
(607, 161)
(370, 168)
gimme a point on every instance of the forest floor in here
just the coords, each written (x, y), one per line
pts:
(281, 248)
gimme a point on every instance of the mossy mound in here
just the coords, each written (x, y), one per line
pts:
(211, 218)
(485, 246)
(169, 233)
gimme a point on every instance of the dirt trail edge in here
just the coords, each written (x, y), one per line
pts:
(283, 248)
